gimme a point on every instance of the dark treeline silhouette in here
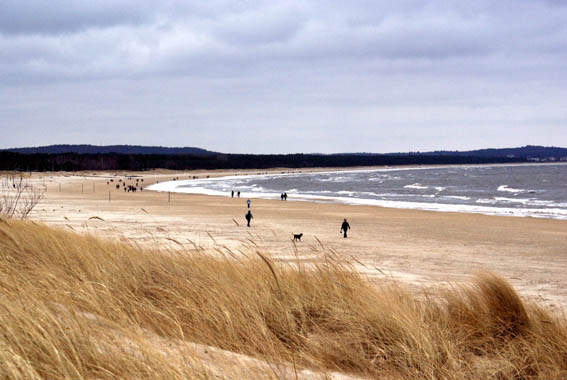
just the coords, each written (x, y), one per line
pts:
(115, 161)
(100, 149)
(126, 157)
(528, 151)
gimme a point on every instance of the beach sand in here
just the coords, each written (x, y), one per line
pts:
(421, 248)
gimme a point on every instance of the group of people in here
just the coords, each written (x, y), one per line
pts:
(232, 194)
(129, 188)
(248, 216)
(344, 226)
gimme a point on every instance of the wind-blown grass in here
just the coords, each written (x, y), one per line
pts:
(76, 307)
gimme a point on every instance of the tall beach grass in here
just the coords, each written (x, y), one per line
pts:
(75, 307)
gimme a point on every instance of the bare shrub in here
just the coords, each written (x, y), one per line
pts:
(18, 197)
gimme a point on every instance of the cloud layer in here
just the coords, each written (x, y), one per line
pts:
(248, 76)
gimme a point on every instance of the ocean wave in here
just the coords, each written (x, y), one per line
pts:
(383, 177)
(512, 200)
(359, 194)
(320, 192)
(417, 186)
(510, 189)
(553, 213)
(459, 197)
(522, 201)
(367, 193)
(335, 179)
(344, 192)
(240, 187)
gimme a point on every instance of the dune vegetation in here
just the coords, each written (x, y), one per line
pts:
(76, 307)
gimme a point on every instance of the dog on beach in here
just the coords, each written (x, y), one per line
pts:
(297, 237)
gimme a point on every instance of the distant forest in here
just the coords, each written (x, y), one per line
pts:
(74, 161)
(122, 149)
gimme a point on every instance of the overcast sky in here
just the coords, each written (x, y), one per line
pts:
(284, 76)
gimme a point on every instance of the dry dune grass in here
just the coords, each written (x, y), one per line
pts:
(77, 307)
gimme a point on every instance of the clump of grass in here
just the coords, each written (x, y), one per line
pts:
(40, 341)
(323, 316)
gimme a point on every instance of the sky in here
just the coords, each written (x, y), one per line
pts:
(284, 76)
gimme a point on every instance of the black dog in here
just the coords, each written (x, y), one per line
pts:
(297, 237)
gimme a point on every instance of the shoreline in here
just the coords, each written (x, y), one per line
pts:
(544, 213)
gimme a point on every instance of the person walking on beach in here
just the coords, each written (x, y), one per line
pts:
(232, 194)
(344, 227)
(248, 203)
(248, 217)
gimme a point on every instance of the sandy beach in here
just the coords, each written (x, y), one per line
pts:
(421, 248)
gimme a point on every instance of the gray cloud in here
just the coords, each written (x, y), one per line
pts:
(66, 16)
(399, 75)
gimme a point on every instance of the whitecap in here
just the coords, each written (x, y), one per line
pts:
(486, 201)
(344, 192)
(460, 197)
(417, 186)
(382, 177)
(510, 189)
(511, 200)
(334, 179)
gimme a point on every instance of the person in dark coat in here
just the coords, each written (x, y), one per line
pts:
(248, 217)
(345, 227)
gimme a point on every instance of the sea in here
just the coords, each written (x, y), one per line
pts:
(524, 190)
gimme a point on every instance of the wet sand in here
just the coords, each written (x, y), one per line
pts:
(422, 248)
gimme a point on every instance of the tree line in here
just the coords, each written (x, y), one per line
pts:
(136, 162)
